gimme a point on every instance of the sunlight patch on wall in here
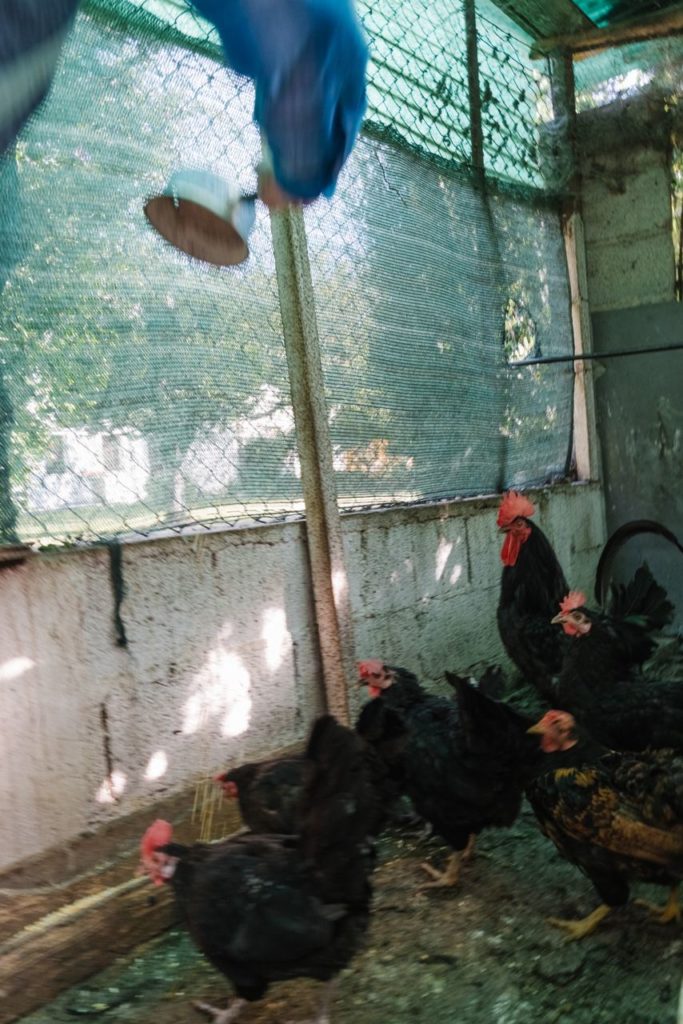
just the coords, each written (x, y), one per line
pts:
(443, 553)
(222, 693)
(157, 766)
(15, 667)
(276, 637)
(112, 787)
(339, 583)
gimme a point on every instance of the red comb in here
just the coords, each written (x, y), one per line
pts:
(512, 506)
(371, 667)
(159, 833)
(574, 599)
(554, 716)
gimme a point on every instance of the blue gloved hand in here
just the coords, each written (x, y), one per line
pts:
(308, 60)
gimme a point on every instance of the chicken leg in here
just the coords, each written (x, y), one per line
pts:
(671, 911)
(222, 1016)
(451, 876)
(585, 926)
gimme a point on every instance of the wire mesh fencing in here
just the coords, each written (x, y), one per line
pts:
(147, 391)
(143, 392)
(425, 292)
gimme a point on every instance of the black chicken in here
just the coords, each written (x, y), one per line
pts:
(460, 777)
(617, 816)
(270, 792)
(266, 908)
(620, 707)
(531, 588)
(533, 585)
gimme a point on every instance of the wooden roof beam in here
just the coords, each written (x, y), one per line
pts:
(635, 30)
(545, 17)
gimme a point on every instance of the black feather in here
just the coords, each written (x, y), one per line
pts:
(265, 907)
(530, 595)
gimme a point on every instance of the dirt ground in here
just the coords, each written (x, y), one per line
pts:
(480, 954)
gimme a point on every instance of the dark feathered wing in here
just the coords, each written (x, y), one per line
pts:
(619, 817)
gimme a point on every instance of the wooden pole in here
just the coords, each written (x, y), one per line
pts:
(586, 443)
(323, 522)
(652, 26)
(474, 93)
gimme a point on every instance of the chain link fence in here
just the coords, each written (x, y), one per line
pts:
(147, 391)
(142, 392)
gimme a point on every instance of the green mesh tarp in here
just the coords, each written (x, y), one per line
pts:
(145, 387)
(140, 391)
(424, 294)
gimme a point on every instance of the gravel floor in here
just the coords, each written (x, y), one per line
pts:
(481, 954)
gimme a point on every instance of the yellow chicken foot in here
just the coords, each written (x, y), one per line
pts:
(587, 925)
(443, 879)
(672, 911)
(222, 1016)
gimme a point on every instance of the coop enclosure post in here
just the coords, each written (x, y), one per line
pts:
(473, 91)
(323, 523)
(586, 444)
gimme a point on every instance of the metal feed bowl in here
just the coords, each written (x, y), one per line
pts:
(204, 216)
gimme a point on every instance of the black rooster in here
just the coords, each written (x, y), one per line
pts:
(460, 776)
(266, 908)
(533, 585)
(617, 816)
(531, 588)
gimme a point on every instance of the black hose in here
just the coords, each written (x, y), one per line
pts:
(617, 539)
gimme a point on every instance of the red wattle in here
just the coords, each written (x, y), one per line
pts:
(512, 545)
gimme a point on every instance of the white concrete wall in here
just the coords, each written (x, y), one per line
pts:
(627, 219)
(222, 660)
(625, 162)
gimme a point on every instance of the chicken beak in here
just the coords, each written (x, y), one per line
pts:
(560, 617)
(536, 730)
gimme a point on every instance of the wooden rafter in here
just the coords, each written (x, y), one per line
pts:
(653, 26)
(541, 18)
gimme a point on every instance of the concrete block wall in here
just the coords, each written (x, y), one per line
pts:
(222, 663)
(627, 218)
(626, 164)
(625, 161)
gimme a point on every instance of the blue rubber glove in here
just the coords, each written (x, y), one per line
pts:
(308, 60)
